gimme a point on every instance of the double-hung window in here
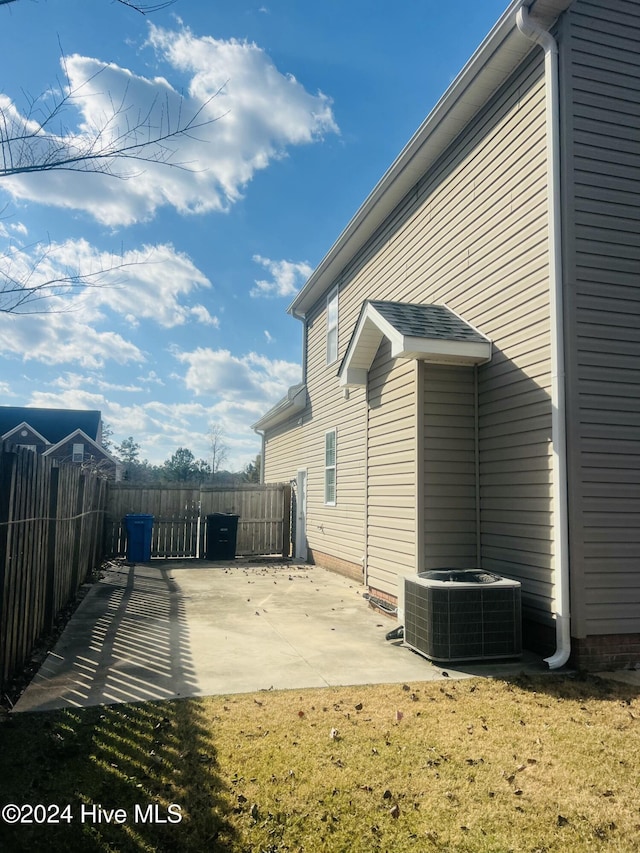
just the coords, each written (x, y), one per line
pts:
(330, 467)
(332, 326)
(77, 454)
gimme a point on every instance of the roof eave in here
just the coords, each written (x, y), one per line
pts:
(497, 56)
(292, 404)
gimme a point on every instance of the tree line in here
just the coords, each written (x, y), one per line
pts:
(182, 465)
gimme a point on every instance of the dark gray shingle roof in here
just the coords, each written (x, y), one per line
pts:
(53, 424)
(426, 321)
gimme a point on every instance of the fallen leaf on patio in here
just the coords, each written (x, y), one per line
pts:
(562, 821)
(333, 734)
(395, 811)
(358, 707)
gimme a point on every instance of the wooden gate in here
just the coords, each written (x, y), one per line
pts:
(179, 525)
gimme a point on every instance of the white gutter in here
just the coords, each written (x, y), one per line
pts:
(536, 33)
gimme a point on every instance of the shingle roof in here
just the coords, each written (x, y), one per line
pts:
(431, 333)
(53, 424)
(435, 322)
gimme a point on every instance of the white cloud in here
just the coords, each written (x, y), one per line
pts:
(63, 338)
(155, 283)
(252, 113)
(158, 426)
(151, 378)
(269, 336)
(286, 277)
(232, 378)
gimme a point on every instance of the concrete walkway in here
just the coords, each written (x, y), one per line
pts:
(184, 628)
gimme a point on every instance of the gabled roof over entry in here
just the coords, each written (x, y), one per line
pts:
(428, 332)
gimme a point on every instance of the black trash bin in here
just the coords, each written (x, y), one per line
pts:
(222, 534)
(139, 527)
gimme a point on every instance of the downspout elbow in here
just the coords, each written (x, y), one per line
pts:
(534, 32)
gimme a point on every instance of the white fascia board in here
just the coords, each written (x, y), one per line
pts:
(436, 349)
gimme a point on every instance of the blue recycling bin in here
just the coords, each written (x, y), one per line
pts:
(139, 527)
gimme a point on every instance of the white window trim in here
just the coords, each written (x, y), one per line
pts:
(77, 455)
(332, 355)
(333, 467)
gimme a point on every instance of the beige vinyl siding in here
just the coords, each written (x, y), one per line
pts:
(283, 451)
(471, 234)
(392, 479)
(449, 466)
(602, 161)
(336, 530)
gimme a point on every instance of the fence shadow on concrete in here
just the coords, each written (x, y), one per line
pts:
(127, 642)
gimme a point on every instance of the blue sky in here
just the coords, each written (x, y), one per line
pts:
(314, 102)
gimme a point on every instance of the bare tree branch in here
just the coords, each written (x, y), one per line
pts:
(39, 140)
(28, 145)
(143, 8)
(25, 289)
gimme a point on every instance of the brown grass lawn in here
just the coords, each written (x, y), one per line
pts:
(544, 764)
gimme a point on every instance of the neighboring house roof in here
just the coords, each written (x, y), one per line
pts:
(291, 404)
(432, 333)
(24, 426)
(489, 67)
(78, 436)
(52, 424)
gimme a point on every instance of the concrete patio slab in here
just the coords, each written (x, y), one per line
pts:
(170, 629)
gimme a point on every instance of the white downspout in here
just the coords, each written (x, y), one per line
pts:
(536, 33)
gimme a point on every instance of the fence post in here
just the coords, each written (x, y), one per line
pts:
(286, 521)
(52, 528)
(77, 537)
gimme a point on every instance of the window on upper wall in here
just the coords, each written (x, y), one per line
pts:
(78, 453)
(332, 326)
(330, 467)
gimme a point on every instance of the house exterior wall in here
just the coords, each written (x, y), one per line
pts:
(283, 451)
(601, 105)
(392, 475)
(471, 234)
(64, 453)
(448, 416)
(334, 531)
(30, 439)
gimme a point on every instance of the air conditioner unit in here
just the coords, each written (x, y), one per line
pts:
(462, 614)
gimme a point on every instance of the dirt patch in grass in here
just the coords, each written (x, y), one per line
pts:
(544, 764)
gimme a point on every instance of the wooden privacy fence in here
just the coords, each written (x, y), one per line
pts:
(179, 525)
(51, 536)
